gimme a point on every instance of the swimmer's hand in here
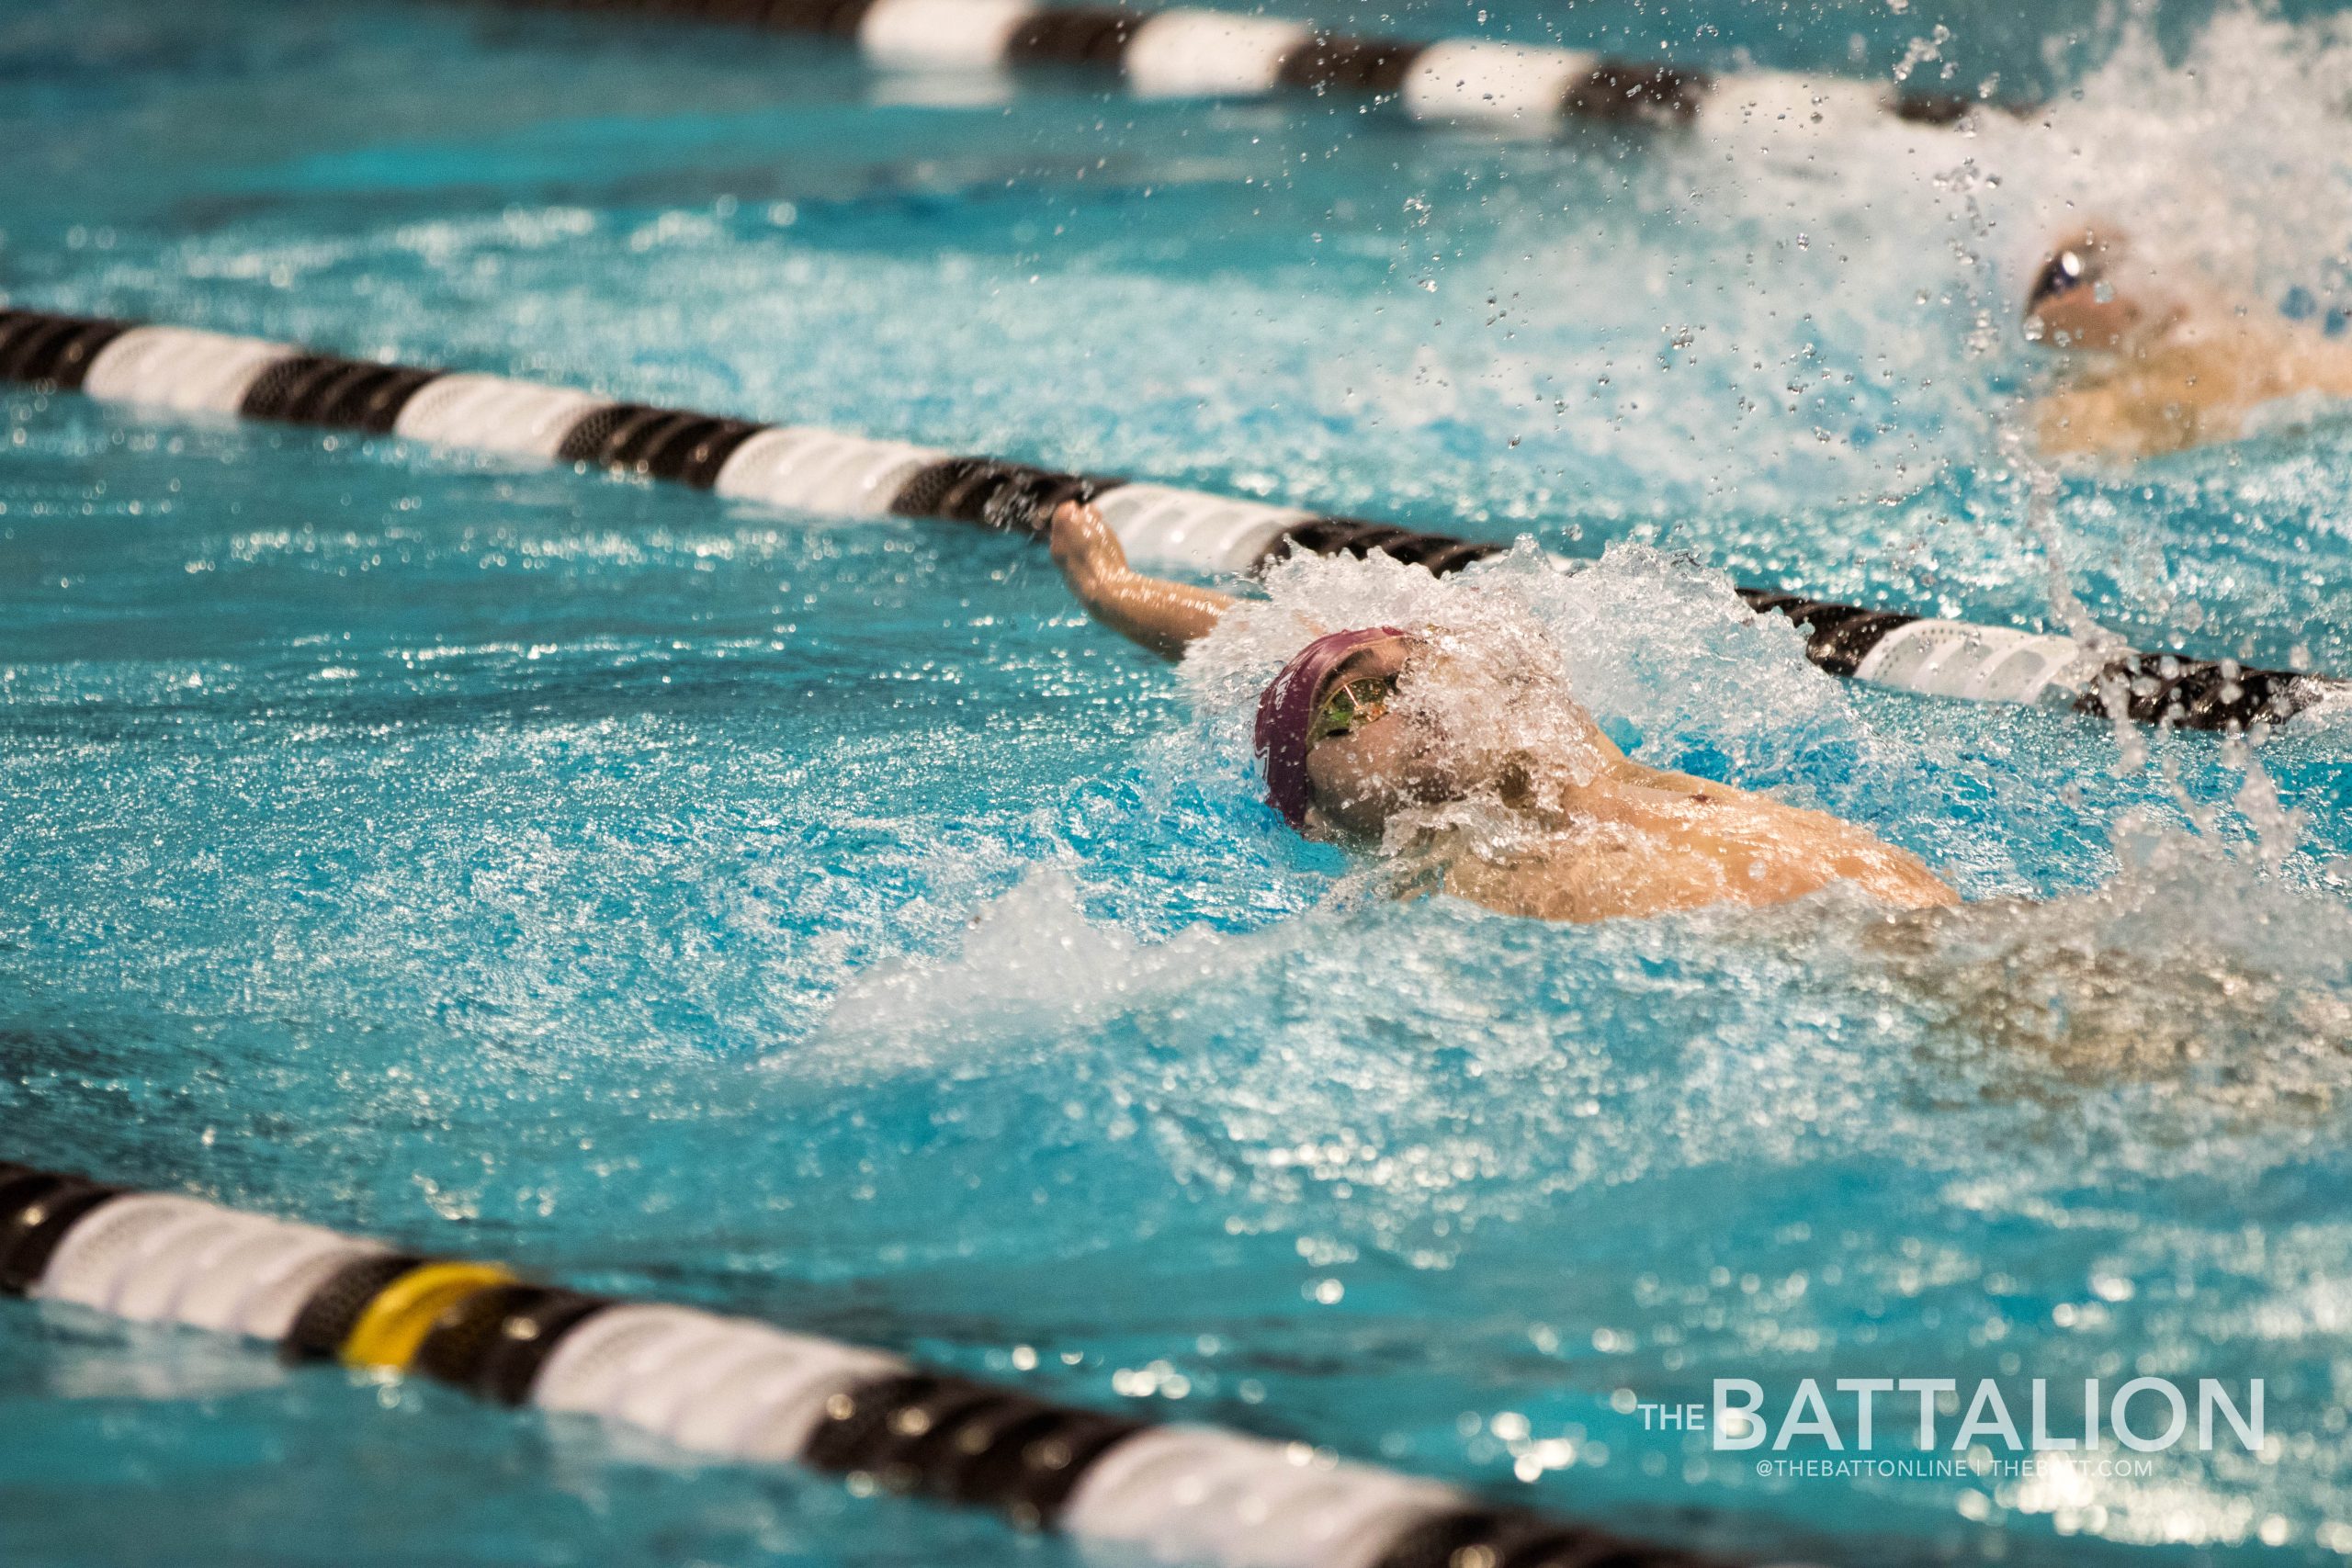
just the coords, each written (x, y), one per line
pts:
(1164, 616)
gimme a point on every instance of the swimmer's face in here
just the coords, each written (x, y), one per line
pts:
(2074, 306)
(1383, 759)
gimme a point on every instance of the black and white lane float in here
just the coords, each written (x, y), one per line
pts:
(1192, 51)
(744, 1392)
(177, 370)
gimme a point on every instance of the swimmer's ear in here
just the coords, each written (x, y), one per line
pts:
(1320, 829)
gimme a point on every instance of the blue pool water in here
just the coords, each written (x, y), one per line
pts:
(824, 921)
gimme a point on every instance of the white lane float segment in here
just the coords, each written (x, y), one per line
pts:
(711, 1383)
(170, 1263)
(765, 1391)
(592, 1371)
(490, 413)
(181, 369)
(1197, 53)
(698, 1390)
(299, 1265)
(821, 471)
(1331, 1514)
(256, 1286)
(168, 1284)
(1162, 526)
(1479, 79)
(783, 1401)
(1952, 659)
(941, 34)
(667, 1376)
(1187, 1494)
(90, 1265)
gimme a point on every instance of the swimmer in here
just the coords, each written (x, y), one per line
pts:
(1574, 831)
(2152, 366)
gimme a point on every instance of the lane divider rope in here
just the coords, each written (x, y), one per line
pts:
(836, 475)
(1195, 53)
(743, 1391)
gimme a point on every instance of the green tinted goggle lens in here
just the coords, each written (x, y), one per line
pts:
(1358, 702)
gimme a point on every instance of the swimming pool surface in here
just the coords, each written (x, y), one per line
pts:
(825, 922)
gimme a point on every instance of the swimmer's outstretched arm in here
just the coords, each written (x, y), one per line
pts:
(1164, 616)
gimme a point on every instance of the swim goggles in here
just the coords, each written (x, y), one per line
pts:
(1358, 702)
(2065, 272)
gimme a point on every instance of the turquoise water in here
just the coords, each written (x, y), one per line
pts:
(824, 921)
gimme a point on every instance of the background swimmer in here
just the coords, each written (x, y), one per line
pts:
(2154, 366)
(1492, 783)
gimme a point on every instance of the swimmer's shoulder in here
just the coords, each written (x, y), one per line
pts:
(1577, 878)
(2133, 415)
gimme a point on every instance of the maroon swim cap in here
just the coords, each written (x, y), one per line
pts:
(1286, 715)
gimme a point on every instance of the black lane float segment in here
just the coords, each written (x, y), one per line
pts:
(1837, 636)
(964, 1442)
(666, 443)
(835, 18)
(2263, 696)
(453, 1348)
(946, 1463)
(289, 389)
(333, 1310)
(1010, 497)
(1460, 555)
(35, 1210)
(372, 400)
(1084, 34)
(1363, 541)
(1503, 1537)
(1840, 648)
(1933, 109)
(600, 429)
(27, 342)
(527, 1337)
(2195, 693)
(45, 348)
(2198, 695)
(1339, 537)
(1438, 554)
(1026, 1457)
(633, 444)
(1331, 62)
(492, 1342)
(724, 10)
(1617, 90)
(690, 447)
(864, 1427)
(1353, 537)
(324, 390)
(20, 1184)
(1951, 109)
